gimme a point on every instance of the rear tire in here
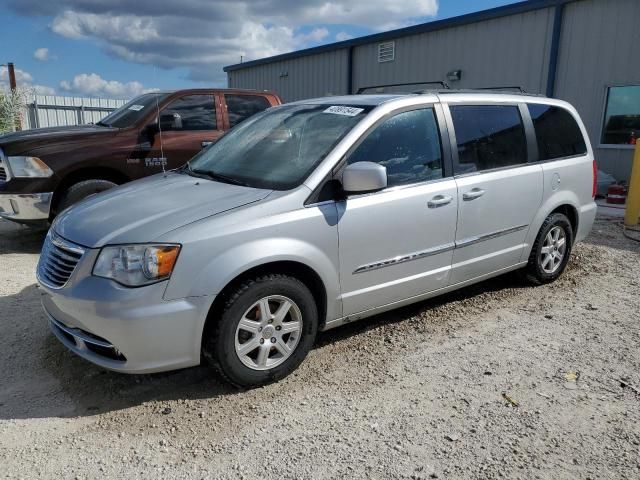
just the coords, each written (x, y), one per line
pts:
(266, 329)
(81, 190)
(551, 250)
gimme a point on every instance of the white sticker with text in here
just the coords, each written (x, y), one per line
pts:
(341, 110)
(136, 108)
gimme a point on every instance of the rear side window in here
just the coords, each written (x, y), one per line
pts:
(241, 107)
(407, 144)
(188, 113)
(488, 136)
(557, 133)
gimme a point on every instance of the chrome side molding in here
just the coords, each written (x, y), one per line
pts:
(436, 250)
(489, 236)
(405, 258)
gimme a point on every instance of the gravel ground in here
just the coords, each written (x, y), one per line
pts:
(497, 380)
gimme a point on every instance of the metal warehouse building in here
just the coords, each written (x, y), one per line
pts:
(583, 51)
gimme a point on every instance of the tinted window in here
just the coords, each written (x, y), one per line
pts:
(193, 112)
(557, 132)
(488, 136)
(240, 107)
(622, 116)
(408, 144)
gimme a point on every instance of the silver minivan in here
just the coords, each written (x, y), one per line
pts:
(311, 215)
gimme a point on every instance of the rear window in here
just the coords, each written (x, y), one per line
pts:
(488, 137)
(557, 132)
(241, 107)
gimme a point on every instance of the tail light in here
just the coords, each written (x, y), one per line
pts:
(595, 179)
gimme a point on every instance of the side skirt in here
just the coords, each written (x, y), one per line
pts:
(424, 296)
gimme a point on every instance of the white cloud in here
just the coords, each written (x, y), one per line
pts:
(41, 54)
(43, 90)
(205, 35)
(93, 85)
(24, 81)
(22, 77)
(342, 36)
(316, 35)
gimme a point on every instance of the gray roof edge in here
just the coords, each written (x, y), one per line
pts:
(483, 15)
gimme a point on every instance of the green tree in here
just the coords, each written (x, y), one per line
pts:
(12, 105)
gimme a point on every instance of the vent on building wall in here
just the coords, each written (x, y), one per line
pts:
(386, 52)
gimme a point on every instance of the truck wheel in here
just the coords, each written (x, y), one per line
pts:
(551, 250)
(81, 190)
(267, 327)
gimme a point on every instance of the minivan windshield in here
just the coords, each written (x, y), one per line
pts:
(131, 112)
(277, 149)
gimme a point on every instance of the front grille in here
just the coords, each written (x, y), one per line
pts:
(3, 174)
(58, 261)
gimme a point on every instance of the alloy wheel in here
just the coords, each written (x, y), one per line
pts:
(553, 250)
(268, 332)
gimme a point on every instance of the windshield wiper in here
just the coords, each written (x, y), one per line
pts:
(214, 176)
(102, 124)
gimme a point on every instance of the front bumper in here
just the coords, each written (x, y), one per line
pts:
(31, 207)
(129, 330)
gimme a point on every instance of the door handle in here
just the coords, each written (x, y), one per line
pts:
(439, 201)
(206, 143)
(473, 194)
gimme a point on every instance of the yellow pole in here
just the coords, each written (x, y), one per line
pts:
(632, 212)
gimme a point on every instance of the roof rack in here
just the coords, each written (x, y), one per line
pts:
(500, 89)
(380, 88)
(517, 90)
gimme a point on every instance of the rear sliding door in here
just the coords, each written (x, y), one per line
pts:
(499, 192)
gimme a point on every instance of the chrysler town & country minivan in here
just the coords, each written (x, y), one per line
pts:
(311, 215)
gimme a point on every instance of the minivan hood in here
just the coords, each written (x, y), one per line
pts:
(141, 211)
(19, 143)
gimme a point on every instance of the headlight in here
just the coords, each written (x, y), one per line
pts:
(21, 167)
(136, 265)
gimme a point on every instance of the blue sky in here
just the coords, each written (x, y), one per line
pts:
(116, 48)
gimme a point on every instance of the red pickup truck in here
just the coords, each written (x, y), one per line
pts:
(43, 171)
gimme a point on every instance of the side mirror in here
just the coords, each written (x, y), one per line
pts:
(363, 177)
(170, 121)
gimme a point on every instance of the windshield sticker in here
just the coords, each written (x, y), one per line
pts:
(348, 111)
(136, 108)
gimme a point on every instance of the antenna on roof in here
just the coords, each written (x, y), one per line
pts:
(162, 159)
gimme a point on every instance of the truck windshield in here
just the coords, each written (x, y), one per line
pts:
(130, 113)
(279, 148)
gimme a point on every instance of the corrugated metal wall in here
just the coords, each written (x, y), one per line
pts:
(508, 51)
(599, 48)
(312, 76)
(54, 111)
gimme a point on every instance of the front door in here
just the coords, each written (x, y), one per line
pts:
(186, 126)
(499, 193)
(398, 243)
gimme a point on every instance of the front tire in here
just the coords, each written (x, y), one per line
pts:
(81, 190)
(551, 250)
(267, 327)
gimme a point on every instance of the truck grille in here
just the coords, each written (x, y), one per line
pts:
(4, 171)
(57, 261)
